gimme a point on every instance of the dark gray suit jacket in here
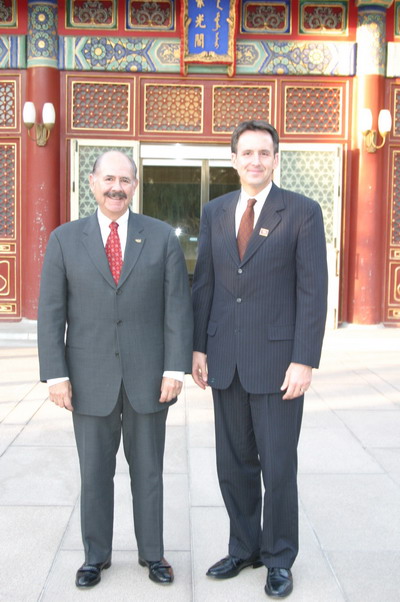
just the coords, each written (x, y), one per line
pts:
(262, 313)
(131, 332)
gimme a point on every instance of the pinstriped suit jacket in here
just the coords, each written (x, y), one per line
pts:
(262, 313)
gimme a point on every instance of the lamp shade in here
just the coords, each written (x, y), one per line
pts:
(29, 114)
(384, 122)
(365, 120)
(48, 114)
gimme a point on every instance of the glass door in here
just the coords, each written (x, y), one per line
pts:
(172, 194)
(176, 182)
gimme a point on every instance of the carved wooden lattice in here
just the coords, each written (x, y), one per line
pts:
(7, 104)
(319, 17)
(7, 190)
(233, 104)
(265, 17)
(9, 286)
(98, 106)
(312, 173)
(151, 15)
(392, 294)
(395, 225)
(396, 120)
(97, 15)
(8, 13)
(313, 110)
(173, 108)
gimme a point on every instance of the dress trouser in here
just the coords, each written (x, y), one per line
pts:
(257, 435)
(98, 440)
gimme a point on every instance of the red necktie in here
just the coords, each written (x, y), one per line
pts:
(246, 227)
(114, 252)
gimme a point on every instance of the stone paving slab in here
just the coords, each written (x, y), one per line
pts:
(349, 487)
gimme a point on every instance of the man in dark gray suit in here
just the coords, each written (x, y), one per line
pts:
(120, 364)
(259, 298)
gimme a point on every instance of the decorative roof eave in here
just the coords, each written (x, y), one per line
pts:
(12, 52)
(374, 3)
(148, 55)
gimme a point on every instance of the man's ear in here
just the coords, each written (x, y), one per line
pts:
(91, 181)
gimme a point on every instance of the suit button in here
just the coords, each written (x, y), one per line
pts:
(240, 271)
(118, 291)
(238, 300)
(119, 322)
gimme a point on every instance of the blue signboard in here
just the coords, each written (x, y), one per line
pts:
(209, 31)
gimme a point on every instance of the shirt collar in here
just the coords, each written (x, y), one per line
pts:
(105, 221)
(260, 196)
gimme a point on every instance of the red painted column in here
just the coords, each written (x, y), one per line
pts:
(41, 212)
(41, 168)
(365, 278)
(366, 218)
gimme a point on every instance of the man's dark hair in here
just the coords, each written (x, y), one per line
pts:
(254, 125)
(100, 158)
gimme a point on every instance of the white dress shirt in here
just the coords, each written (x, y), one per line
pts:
(242, 204)
(104, 223)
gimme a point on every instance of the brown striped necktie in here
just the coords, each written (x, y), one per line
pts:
(246, 227)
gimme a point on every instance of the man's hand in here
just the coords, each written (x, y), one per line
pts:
(199, 369)
(297, 380)
(61, 395)
(170, 388)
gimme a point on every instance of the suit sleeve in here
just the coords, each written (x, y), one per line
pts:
(52, 314)
(311, 289)
(203, 285)
(178, 315)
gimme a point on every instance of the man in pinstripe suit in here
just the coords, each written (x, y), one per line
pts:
(259, 326)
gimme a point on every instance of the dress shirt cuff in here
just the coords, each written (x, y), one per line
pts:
(55, 381)
(176, 375)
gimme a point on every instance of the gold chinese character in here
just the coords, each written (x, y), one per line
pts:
(199, 40)
(200, 22)
(200, 3)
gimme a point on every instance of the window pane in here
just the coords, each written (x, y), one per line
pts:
(222, 180)
(172, 194)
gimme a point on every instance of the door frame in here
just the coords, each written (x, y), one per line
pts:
(333, 248)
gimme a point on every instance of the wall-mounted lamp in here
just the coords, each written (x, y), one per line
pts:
(365, 126)
(42, 130)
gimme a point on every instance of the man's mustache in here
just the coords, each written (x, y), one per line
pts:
(116, 195)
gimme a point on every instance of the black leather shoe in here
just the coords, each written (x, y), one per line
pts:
(230, 566)
(279, 583)
(159, 571)
(90, 574)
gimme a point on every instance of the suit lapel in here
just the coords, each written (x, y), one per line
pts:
(134, 245)
(93, 242)
(267, 222)
(227, 224)
(91, 238)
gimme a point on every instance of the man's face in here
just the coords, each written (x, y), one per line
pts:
(255, 160)
(113, 184)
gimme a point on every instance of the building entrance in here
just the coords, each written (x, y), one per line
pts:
(176, 181)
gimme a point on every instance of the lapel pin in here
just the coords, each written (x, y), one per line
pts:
(138, 240)
(264, 232)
